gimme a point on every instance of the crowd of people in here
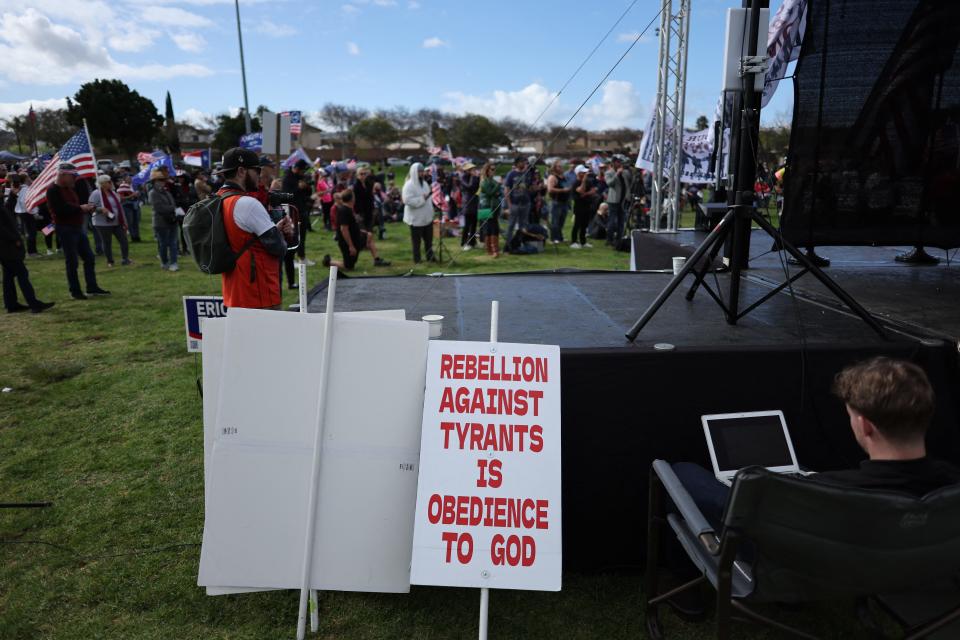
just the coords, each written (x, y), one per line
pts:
(528, 207)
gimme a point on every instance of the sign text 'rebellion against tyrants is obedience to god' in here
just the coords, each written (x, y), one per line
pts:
(488, 496)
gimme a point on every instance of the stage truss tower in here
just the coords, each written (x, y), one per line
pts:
(671, 97)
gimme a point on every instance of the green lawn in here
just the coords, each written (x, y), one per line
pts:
(104, 419)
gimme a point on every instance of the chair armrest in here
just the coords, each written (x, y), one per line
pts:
(686, 506)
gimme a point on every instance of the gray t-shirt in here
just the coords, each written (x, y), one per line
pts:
(100, 217)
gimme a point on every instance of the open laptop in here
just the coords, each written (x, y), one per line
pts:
(738, 440)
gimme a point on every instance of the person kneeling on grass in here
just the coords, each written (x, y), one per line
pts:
(350, 238)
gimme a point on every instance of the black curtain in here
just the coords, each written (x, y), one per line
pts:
(875, 146)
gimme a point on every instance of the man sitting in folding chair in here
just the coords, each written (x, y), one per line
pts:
(891, 524)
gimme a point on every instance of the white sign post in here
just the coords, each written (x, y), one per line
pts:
(305, 591)
(302, 295)
(488, 496)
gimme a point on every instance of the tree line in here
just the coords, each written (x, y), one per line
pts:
(121, 121)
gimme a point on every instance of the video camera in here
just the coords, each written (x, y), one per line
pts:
(277, 198)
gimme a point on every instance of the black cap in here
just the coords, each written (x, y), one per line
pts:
(238, 157)
(265, 161)
(519, 159)
(302, 164)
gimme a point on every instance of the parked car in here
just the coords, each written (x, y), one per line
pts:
(397, 162)
(420, 159)
(438, 160)
(105, 165)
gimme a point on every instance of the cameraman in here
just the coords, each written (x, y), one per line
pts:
(275, 201)
(295, 182)
(254, 283)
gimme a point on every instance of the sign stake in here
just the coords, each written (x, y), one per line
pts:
(302, 293)
(317, 451)
(485, 592)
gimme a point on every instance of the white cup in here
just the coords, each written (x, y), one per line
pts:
(436, 325)
(678, 262)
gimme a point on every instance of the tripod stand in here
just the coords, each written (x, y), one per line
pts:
(711, 247)
(741, 214)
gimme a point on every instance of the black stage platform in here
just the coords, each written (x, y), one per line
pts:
(627, 404)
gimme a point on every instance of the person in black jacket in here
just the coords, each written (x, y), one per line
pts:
(295, 182)
(12, 254)
(469, 186)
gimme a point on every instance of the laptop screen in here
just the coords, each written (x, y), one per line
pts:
(749, 440)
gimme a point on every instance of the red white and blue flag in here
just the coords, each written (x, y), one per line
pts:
(438, 199)
(296, 121)
(77, 151)
(197, 158)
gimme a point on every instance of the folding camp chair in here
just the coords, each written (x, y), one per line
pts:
(792, 540)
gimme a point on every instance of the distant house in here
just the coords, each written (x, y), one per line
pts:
(192, 137)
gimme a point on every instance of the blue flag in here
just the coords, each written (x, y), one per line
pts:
(252, 141)
(161, 162)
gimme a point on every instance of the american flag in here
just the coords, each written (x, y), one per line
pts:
(438, 198)
(296, 121)
(77, 151)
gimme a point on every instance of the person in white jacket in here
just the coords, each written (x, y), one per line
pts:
(418, 211)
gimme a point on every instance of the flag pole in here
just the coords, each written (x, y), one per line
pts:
(90, 142)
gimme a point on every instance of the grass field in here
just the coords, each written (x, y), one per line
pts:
(104, 419)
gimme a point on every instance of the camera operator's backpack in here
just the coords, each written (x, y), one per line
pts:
(205, 232)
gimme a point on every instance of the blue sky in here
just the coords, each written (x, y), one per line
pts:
(492, 57)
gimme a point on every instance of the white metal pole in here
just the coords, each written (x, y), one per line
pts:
(302, 285)
(317, 451)
(89, 142)
(659, 143)
(485, 592)
(314, 607)
(484, 610)
(680, 100)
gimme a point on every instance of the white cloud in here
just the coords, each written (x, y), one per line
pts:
(133, 39)
(434, 42)
(525, 104)
(196, 118)
(30, 41)
(413, 4)
(353, 49)
(11, 109)
(274, 30)
(173, 17)
(350, 9)
(189, 41)
(620, 106)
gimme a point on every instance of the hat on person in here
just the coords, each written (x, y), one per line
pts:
(238, 157)
(581, 169)
(67, 167)
(157, 174)
(302, 164)
(468, 165)
(519, 160)
(267, 161)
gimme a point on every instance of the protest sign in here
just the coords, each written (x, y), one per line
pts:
(488, 496)
(194, 309)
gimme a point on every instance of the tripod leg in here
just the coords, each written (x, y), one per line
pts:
(824, 279)
(701, 274)
(675, 282)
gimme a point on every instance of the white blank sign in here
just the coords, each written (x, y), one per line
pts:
(259, 466)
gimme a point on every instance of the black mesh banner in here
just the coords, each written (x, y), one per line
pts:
(875, 146)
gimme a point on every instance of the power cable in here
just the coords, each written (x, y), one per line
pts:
(497, 208)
